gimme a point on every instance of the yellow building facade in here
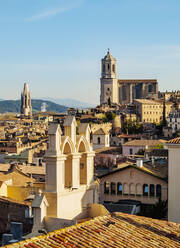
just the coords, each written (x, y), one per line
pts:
(152, 110)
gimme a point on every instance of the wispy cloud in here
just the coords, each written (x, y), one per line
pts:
(54, 11)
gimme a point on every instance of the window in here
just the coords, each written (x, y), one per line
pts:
(82, 165)
(108, 67)
(145, 190)
(158, 190)
(130, 151)
(132, 189)
(125, 189)
(119, 188)
(152, 190)
(99, 140)
(106, 187)
(104, 68)
(113, 68)
(113, 188)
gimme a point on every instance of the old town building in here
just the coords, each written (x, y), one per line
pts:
(152, 110)
(134, 182)
(174, 121)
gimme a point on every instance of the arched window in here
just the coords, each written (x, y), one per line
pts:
(108, 67)
(113, 188)
(99, 140)
(106, 187)
(113, 68)
(158, 190)
(126, 189)
(152, 190)
(145, 189)
(119, 188)
(150, 88)
(132, 189)
(138, 189)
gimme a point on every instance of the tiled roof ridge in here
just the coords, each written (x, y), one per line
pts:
(11, 200)
(143, 169)
(174, 141)
(138, 80)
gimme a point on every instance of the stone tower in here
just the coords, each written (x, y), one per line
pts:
(26, 109)
(109, 81)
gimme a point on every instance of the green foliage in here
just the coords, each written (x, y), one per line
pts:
(13, 106)
(140, 152)
(159, 146)
(132, 127)
(109, 116)
(157, 211)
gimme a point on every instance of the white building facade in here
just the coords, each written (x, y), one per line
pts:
(173, 180)
(101, 139)
(174, 121)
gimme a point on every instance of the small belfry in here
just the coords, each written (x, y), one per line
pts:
(70, 170)
(26, 108)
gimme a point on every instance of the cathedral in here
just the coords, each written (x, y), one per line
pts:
(123, 91)
(26, 109)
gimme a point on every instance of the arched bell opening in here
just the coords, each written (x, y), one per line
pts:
(83, 163)
(68, 165)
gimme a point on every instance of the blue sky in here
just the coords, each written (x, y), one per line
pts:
(57, 45)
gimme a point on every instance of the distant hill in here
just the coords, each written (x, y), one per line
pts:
(13, 106)
(71, 103)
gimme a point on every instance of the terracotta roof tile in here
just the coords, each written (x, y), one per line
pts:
(117, 230)
(174, 141)
(150, 143)
(101, 131)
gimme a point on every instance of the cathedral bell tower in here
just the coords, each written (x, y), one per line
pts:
(26, 109)
(109, 82)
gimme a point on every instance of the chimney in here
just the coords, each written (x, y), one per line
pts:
(139, 163)
(152, 159)
(17, 230)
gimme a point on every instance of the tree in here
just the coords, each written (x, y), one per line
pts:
(157, 211)
(109, 116)
(132, 127)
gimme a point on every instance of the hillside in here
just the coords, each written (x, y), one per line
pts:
(13, 106)
(71, 102)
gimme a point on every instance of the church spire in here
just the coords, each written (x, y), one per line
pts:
(26, 109)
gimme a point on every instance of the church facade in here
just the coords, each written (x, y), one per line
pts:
(123, 91)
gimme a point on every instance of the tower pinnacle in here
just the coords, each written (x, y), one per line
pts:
(26, 109)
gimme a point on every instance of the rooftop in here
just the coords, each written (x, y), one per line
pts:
(147, 101)
(137, 81)
(101, 131)
(156, 171)
(116, 230)
(144, 143)
(174, 141)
